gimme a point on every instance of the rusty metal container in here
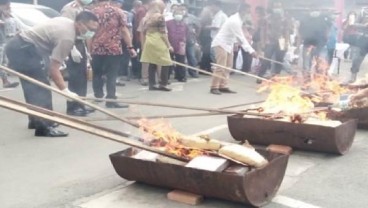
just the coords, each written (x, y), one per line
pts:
(360, 114)
(336, 140)
(256, 187)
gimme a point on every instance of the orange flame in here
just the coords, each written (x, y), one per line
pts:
(160, 133)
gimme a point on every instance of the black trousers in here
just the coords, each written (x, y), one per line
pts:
(152, 71)
(24, 58)
(247, 60)
(108, 66)
(272, 51)
(205, 41)
(180, 71)
(77, 76)
(136, 64)
(124, 63)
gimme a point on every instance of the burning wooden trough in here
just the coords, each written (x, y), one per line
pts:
(251, 186)
(310, 137)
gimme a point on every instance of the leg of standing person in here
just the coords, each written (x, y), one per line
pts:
(180, 71)
(164, 78)
(357, 60)
(152, 71)
(3, 75)
(111, 65)
(279, 57)
(265, 64)
(98, 72)
(247, 61)
(192, 59)
(24, 58)
(218, 72)
(144, 74)
(77, 80)
(224, 88)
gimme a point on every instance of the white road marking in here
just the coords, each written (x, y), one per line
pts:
(6, 90)
(293, 203)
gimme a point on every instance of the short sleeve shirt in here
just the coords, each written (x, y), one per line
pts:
(54, 39)
(112, 20)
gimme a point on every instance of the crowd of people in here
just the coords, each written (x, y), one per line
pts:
(155, 41)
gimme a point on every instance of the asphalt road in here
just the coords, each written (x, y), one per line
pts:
(76, 171)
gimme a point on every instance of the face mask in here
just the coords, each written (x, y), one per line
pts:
(86, 2)
(88, 35)
(178, 17)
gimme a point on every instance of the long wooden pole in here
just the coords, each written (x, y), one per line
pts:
(209, 73)
(178, 115)
(74, 123)
(213, 110)
(96, 107)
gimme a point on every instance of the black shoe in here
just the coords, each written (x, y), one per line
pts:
(50, 132)
(259, 81)
(164, 89)
(116, 105)
(182, 80)
(32, 125)
(215, 91)
(120, 84)
(226, 90)
(11, 85)
(80, 112)
(153, 88)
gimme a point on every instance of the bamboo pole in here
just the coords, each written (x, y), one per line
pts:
(241, 72)
(213, 110)
(71, 122)
(176, 116)
(78, 99)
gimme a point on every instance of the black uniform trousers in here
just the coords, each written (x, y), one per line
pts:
(180, 71)
(164, 75)
(108, 66)
(272, 51)
(77, 76)
(24, 58)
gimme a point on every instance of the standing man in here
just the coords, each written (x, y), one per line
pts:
(275, 38)
(39, 53)
(193, 26)
(107, 49)
(223, 46)
(77, 62)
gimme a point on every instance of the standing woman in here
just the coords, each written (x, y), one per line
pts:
(156, 46)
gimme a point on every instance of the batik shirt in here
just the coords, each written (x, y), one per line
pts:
(107, 40)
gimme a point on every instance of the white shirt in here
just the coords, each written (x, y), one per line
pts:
(217, 22)
(230, 33)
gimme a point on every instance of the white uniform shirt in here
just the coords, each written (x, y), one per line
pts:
(230, 33)
(218, 20)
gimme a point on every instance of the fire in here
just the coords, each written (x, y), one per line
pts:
(160, 133)
(286, 99)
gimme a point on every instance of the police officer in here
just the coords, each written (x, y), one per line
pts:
(39, 53)
(77, 62)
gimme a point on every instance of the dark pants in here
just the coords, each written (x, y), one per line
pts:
(152, 71)
(124, 64)
(205, 41)
(247, 60)
(192, 59)
(272, 51)
(77, 76)
(180, 71)
(136, 64)
(108, 66)
(24, 58)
